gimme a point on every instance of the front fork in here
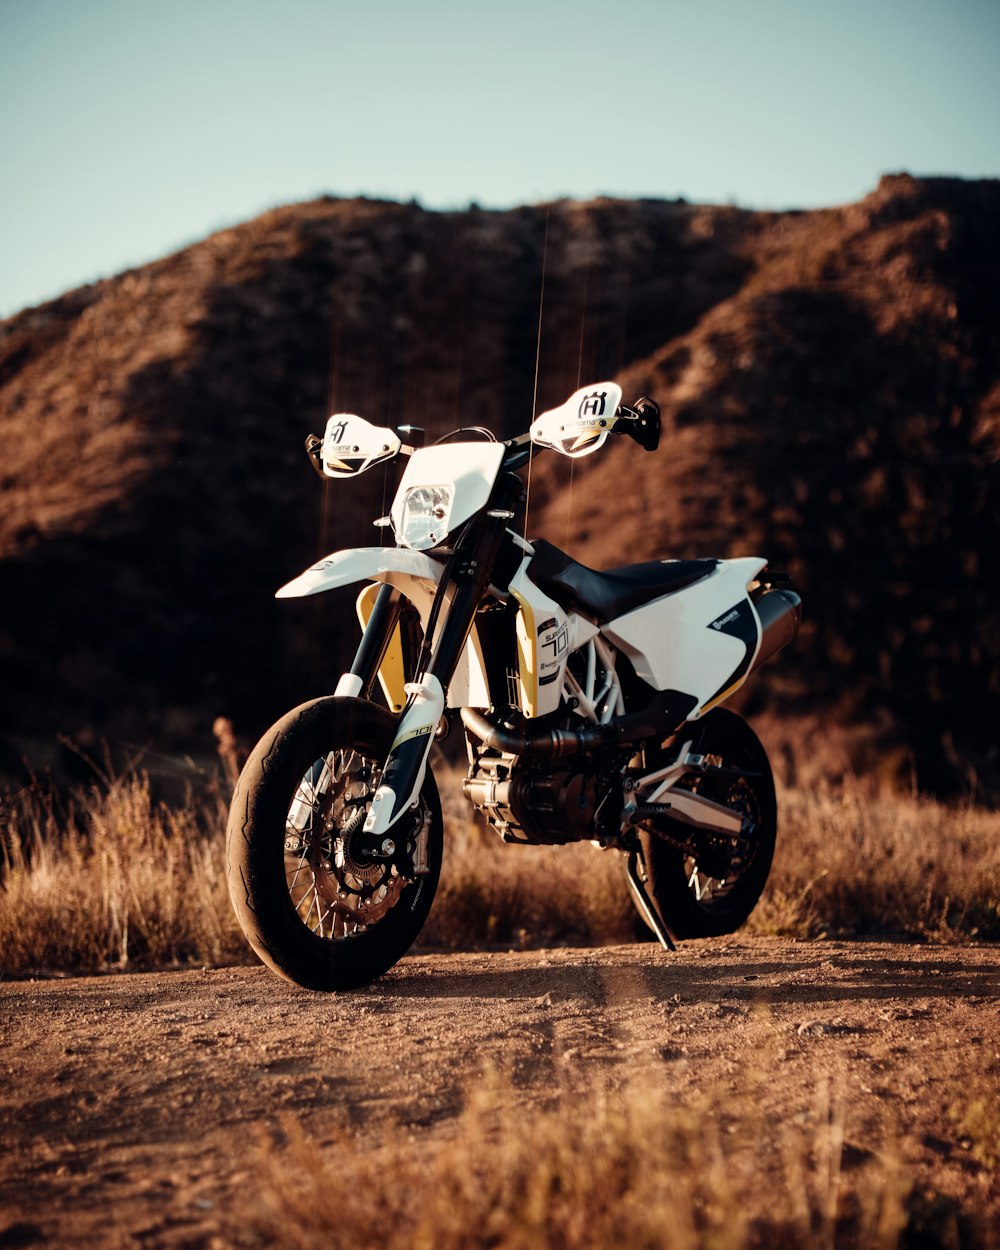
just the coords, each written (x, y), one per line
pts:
(467, 576)
(360, 680)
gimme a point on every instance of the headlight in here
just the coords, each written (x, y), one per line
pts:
(426, 517)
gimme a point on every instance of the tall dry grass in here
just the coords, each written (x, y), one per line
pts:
(607, 1166)
(109, 877)
(853, 862)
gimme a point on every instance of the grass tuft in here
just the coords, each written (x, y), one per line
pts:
(851, 863)
(113, 880)
(598, 1167)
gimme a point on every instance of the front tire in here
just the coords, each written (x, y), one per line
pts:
(313, 904)
(696, 901)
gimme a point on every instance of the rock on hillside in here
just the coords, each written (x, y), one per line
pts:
(831, 389)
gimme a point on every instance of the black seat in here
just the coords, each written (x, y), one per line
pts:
(614, 592)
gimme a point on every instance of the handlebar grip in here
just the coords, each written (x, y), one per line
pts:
(314, 450)
(644, 425)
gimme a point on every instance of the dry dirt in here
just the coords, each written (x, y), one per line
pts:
(134, 1107)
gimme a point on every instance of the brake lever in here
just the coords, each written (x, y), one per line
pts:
(314, 450)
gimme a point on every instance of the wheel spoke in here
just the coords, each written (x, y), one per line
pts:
(312, 891)
(335, 894)
(313, 903)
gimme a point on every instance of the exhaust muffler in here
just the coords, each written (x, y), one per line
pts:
(780, 613)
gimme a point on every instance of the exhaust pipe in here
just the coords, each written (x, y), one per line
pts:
(663, 714)
(780, 613)
(551, 744)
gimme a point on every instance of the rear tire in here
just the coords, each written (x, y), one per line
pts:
(312, 912)
(692, 903)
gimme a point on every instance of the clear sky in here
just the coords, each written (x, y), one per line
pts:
(132, 128)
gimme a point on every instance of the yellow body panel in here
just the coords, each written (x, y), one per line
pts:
(391, 675)
(527, 656)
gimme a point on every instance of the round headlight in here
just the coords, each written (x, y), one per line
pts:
(426, 517)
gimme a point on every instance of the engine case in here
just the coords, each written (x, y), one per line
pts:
(532, 804)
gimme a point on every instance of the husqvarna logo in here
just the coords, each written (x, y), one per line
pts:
(726, 620)
(593, 405)
(336, 432)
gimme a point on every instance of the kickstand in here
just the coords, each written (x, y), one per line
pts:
(642, 900)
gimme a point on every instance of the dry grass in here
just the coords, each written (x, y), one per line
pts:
(110, 878)
(113, 879)
(602, 1167)
(850, 862)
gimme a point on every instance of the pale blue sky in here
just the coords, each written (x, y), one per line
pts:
(131, 128)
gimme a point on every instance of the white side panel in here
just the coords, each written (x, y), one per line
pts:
(468, 686)
(679, 642)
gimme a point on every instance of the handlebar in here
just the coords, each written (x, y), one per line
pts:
(314, 450)
(645, 412)
(639, 420)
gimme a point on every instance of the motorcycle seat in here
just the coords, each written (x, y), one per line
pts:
(609, 594)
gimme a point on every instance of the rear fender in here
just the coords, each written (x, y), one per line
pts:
(701, 640)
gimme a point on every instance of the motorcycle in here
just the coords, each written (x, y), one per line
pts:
(590, 702)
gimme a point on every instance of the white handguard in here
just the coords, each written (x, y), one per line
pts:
(351, 445)
(582, 424)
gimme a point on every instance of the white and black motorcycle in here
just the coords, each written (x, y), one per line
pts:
(590, 704)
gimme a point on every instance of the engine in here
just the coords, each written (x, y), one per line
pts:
(532, 801)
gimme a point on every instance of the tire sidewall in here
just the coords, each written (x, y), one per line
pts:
(255, 849)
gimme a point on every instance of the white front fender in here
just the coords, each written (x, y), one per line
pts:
(364, 564)
(418, 577)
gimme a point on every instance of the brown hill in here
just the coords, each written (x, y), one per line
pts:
(831, 383)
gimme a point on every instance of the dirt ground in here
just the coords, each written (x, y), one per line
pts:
(133, 1107)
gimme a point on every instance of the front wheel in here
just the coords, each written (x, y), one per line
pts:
(712, 889)
(317, 902)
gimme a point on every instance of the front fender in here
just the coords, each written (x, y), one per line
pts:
(398, 566)
(418, 577)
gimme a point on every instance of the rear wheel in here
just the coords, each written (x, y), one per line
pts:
(711, 888)
(316, 899)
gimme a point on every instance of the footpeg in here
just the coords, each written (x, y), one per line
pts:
(694, 810)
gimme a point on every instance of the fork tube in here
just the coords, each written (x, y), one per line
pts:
(470, 574)
(378, 633)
